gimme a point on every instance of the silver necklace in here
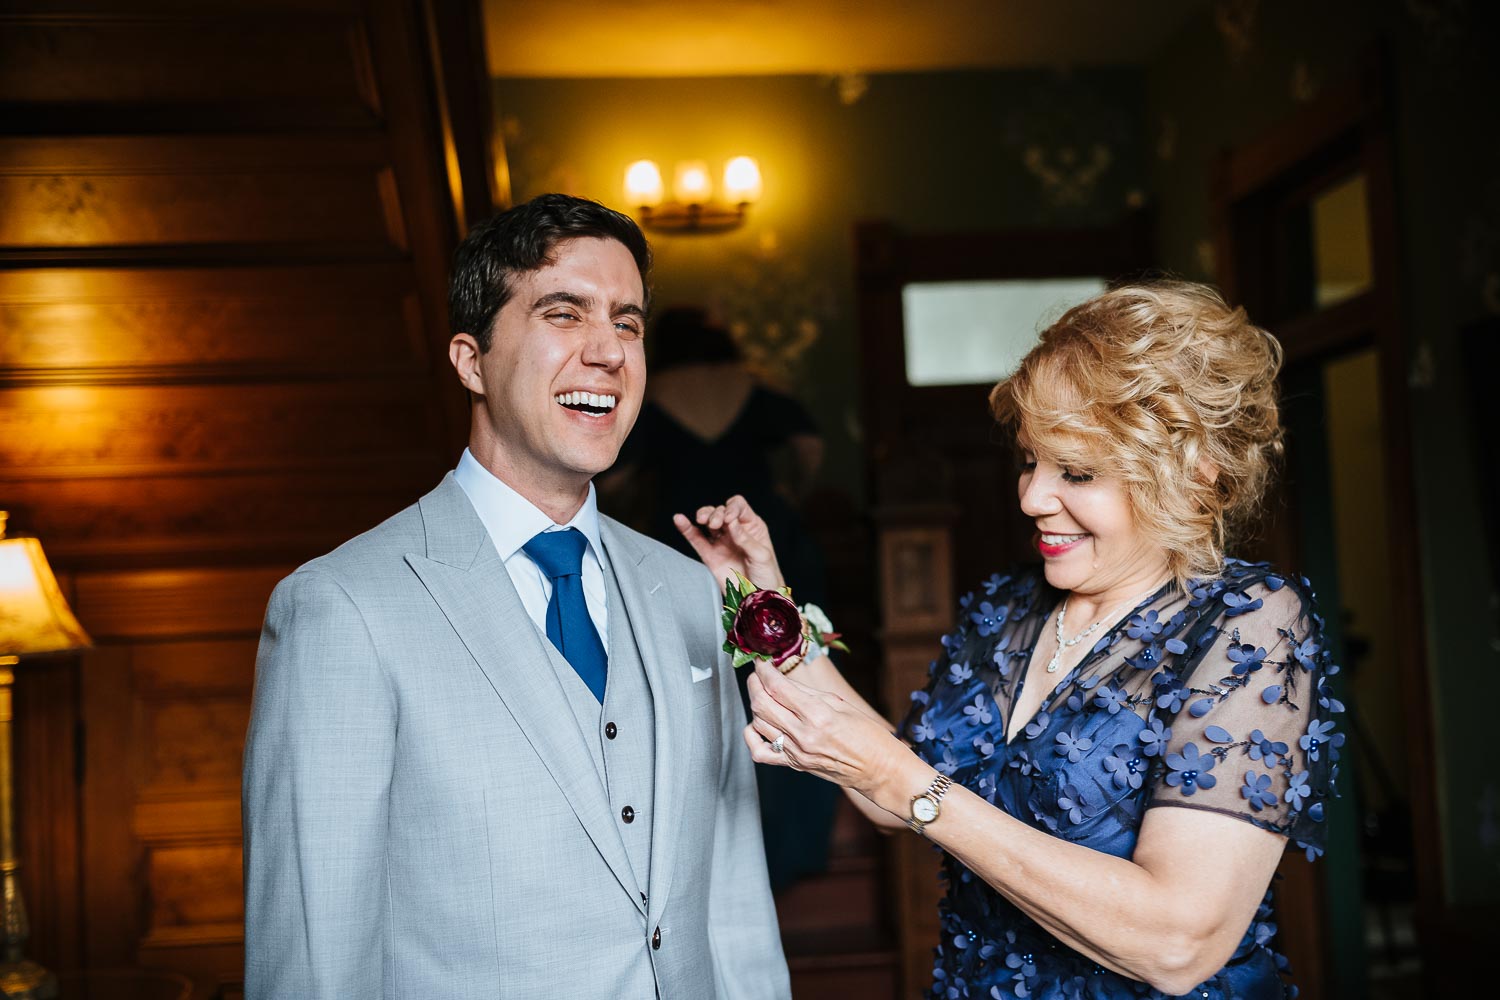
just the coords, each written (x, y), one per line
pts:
(1062, 644)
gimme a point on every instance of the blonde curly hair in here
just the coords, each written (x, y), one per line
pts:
(1168, 389)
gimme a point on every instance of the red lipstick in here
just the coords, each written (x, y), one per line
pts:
(1053, 551)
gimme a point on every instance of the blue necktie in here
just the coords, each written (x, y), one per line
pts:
(569, 627)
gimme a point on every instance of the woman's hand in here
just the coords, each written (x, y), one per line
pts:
(731, 538)
(824, 734)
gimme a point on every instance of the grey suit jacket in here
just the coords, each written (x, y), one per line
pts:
(423, 819)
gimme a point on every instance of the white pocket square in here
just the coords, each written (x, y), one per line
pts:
(701, 673)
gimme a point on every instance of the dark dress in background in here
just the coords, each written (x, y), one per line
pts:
(689, 472)
(685, 472)
(1212, 699)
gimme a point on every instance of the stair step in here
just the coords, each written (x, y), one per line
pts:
(837, 945)
(847, 898)
(868, 975)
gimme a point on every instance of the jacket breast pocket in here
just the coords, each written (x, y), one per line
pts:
(706, 695)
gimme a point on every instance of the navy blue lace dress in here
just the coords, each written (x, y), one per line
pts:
(1214, 698)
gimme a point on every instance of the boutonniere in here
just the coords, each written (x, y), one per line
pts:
(767, 625)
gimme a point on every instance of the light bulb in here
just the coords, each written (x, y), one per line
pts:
(692, 185)
(742, 180)
(643, 186)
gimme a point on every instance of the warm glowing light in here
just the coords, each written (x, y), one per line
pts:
(742, 180)
(693, 207)
(692, 185)
(36, 618)
(643, 184)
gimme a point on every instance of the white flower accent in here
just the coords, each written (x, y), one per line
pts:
(817, 618)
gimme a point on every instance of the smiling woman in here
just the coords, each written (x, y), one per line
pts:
(1112, 752)
(1167, 392)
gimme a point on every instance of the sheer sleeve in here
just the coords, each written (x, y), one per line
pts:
(1251, 733)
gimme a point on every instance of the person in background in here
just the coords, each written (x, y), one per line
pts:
(709, 428)
(1114, 749)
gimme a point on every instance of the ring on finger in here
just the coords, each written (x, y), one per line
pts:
(778, 743)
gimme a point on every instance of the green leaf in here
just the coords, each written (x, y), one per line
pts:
(746, 587)
(741, 657)
(730, 647)
(732, 598)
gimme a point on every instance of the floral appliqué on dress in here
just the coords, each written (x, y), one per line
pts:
(1210, 697)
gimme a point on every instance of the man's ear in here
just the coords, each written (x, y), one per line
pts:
(463, 352)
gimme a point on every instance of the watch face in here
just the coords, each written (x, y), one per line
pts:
(924, 809)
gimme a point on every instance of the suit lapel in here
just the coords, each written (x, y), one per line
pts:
(659, 639)
(470, 584)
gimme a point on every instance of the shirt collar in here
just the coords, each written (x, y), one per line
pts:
(511, 519)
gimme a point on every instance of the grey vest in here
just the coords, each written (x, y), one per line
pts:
(621, 733)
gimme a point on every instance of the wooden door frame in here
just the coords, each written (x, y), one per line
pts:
(887, 258)
(1352, 126)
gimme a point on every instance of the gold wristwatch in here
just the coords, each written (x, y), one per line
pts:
(928, 806)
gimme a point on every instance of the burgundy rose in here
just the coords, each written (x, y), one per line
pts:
(768, 624)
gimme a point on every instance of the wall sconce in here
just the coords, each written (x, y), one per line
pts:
(694, 209)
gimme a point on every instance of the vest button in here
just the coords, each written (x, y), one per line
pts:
(627, 814)
(610, 730)
(656, 940)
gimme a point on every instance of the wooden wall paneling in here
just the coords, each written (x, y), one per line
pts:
(169, 191)
(76, 326)
(161, 870)
(110, 856)
(139, 66)
(58, 431)
(911, 558)
(197, 894)
(166, 701)
(46, 770)
(194, 699)
(171, 519)
(916, 888)
(180, 604)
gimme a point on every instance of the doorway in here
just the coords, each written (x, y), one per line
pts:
(1307, 245)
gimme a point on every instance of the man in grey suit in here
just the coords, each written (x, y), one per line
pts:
(495, 749)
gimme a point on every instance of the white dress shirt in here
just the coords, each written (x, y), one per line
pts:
(512, 521)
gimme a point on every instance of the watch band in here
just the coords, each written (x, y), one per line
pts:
(934, 794)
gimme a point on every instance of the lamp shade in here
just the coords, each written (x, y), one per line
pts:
(34, 617)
